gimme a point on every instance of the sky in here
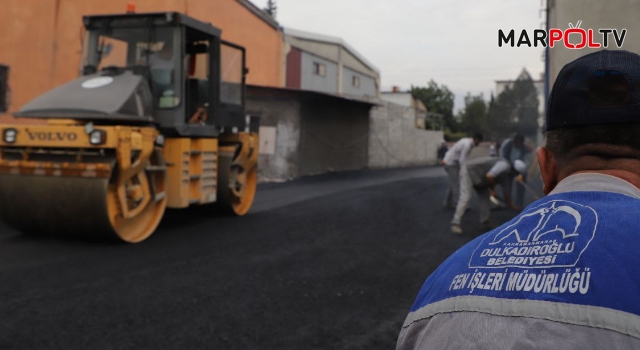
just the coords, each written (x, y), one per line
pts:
(453, 42)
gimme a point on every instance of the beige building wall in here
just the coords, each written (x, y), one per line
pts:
(395, 141)
(594, 14)
(334, 50)
(41, 40)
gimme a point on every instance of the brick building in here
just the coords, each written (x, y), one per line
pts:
(42, 41)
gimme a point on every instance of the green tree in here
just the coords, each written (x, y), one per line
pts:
(515, 109)
(526, 116)
(438, 99)
(271, 8)
(473, 118)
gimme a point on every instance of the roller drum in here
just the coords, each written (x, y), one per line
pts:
(60, 206)
(83, 207)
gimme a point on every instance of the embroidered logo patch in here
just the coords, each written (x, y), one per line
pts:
(553, 234)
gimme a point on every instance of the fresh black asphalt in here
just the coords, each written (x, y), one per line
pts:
(325, 262)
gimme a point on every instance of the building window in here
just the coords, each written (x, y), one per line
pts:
(319, 69)
(355, 81)
(4, 88)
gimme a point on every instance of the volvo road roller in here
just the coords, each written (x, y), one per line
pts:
(155, 120)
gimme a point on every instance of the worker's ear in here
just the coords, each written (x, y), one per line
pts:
(548, 169)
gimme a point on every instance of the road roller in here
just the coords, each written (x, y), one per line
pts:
(155, 120)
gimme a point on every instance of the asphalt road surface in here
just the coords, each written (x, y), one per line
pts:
(326, 262)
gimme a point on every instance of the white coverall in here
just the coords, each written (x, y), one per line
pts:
(473, 176)
(454, 160)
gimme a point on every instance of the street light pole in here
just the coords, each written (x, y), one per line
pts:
(546, 64)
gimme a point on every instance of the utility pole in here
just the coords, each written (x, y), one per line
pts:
(545, 9)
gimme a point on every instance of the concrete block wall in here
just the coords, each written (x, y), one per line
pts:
(334, 136)
(395, 141)
(284, 116)
(305, 133)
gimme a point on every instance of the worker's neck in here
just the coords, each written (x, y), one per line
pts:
(629, 176)
(625, 166)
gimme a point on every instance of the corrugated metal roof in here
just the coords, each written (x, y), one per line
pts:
(373, 101)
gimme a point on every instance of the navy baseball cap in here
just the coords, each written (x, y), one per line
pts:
(602, 87)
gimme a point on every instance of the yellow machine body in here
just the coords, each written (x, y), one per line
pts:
(55, 181)
(193, 172)
(129, 138)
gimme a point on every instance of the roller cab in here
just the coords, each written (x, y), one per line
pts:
(155, 120)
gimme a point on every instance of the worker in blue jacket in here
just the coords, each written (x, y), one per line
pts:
(514, 149)
(564, 273)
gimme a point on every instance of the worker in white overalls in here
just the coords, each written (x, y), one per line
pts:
(481, 175)
(453, 161)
